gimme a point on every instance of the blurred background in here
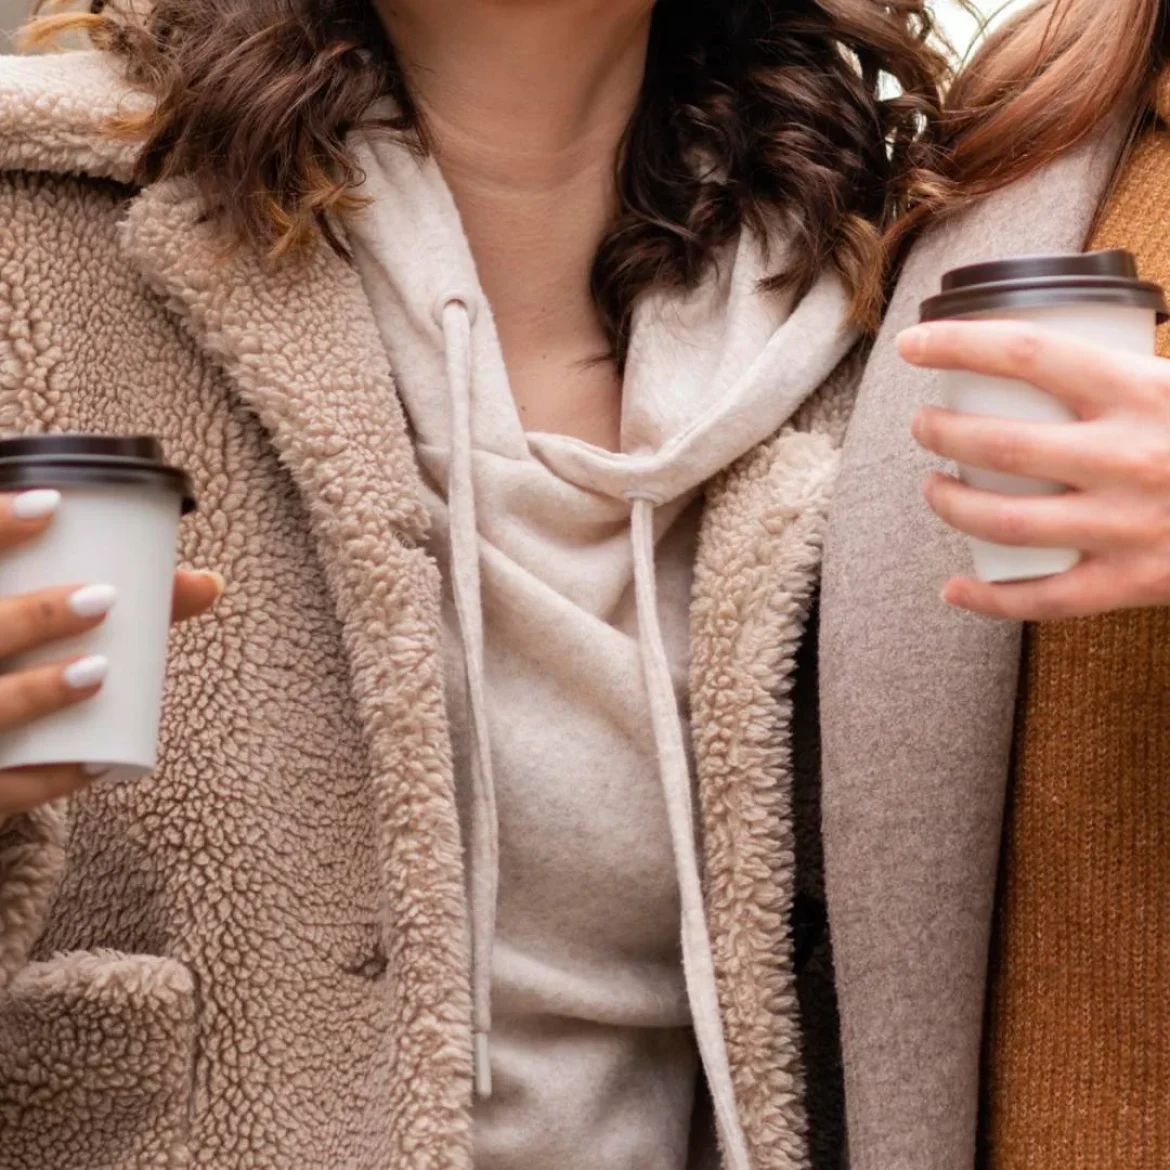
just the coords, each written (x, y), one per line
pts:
(12, 12)
(960, 28)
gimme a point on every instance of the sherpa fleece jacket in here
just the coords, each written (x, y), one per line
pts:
(257, 957)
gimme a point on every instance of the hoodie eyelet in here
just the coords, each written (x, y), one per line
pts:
(445, 300)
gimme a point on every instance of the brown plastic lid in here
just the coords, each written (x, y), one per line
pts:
(51, 461)
(1037, 282)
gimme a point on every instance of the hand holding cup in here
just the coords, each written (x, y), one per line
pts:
(88, 533)
(1060, 423)
(52, 615)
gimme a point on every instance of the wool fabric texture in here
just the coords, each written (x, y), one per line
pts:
(1079, 1049)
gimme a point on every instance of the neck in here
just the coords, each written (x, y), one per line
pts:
(524, 105)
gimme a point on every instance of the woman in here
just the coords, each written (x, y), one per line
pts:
(919, 706)
(259, 957)
(608, 282)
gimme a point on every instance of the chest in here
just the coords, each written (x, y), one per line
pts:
(573, 392)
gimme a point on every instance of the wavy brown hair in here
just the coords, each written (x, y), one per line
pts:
(816, 114)
(1040, 85)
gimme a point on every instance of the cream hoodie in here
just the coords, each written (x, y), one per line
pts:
(568, 574)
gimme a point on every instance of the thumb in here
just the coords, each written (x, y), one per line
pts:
(195, 594)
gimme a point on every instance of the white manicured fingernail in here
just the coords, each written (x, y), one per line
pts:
(93, 601)
(88, 673)
(94, 771)
(35, 505)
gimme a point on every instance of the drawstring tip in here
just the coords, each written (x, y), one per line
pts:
(483, 1066)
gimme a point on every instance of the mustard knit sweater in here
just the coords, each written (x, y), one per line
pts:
(1079, 1040)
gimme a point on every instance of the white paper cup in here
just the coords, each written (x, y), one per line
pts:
(1095, 297)
(117, 524)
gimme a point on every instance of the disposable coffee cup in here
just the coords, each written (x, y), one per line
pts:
(1096, 297)
(117, 524)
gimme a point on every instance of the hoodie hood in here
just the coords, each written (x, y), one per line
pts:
(711, 374)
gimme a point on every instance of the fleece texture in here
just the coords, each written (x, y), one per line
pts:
(917, 706)
(32, 856)
(257, 957)
(128, 1024)
(55, 111)
(298, 850)
(757, 571)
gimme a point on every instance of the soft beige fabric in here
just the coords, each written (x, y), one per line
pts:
(113, 1013)
(917, 706)
(62, 105)
(257, 958)
(593, 1064)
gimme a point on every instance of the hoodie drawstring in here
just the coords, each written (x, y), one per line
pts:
(455, 315)
(675, 773)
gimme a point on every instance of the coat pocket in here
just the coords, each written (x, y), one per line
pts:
(96, 1056)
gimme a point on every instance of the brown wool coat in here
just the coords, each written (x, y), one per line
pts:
(257, 957)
